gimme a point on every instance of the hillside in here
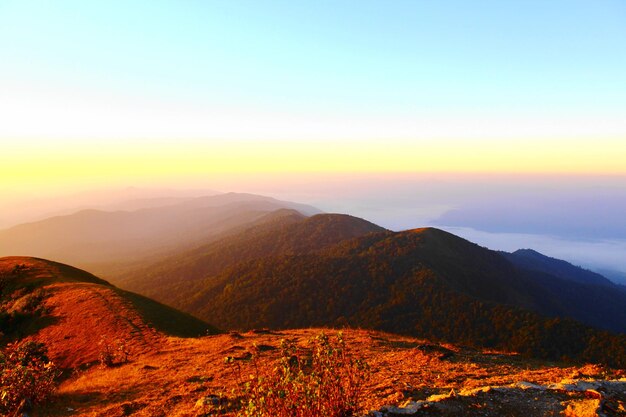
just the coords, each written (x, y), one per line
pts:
(73, 312)
(571, 291)
(285, 232)
(423, 282)
(104, 241)
(185, 377)
(534, 261)
(173, 376)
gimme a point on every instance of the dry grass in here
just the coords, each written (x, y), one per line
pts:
(171, 379)
(166, 376)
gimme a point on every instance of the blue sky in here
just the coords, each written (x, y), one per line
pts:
(520, 86)
(327, 56)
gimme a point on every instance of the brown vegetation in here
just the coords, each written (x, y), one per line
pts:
(161, 375)
(181, 376)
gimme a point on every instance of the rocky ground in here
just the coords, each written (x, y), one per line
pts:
(185, 377)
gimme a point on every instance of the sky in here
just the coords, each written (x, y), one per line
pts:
(133, 92)
(503, 121)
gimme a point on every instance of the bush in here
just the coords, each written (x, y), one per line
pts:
(323, 381)
(27, 377)
(112, 353)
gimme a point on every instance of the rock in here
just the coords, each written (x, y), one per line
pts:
(528, 385)
(582, 408)
(470, 392)
(208, 400)
(265, 348)
(440, 397)
(409, 408)
(130, 408)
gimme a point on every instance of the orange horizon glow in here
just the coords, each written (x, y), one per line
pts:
(142, 161)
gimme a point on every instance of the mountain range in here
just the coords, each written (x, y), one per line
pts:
(242, 261)
(102, 241)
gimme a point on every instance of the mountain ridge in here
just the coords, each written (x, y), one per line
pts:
(400, 282)
(276, 233)
(103, 241)
(74, 313)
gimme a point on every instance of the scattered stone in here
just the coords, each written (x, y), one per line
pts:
(199, 379)
(528, 385)
(443, 352)
(130, 407)
(575, 398)
(208, 400)
(265, 348)
(582, 408)
(439, 397)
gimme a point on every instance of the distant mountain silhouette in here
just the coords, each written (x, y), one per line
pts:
(617, 277)
(534, 261)
(100, 240)
(114, 199)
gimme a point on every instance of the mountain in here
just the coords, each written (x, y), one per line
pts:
(422, 282)
(534, 261)
(571, 291)
(15, 211)
(284, 232)
(617, 277)
(73, 312)
(102, 240)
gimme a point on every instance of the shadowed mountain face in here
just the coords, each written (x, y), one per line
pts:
(617, 277)
(100, 239)
(72, 311)
(424, 282)
(535, 261)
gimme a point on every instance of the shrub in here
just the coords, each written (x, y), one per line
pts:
(27, 376)
(112, 353)
(323, 381)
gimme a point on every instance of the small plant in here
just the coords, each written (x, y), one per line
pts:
(112, 353)
(324, 380)
(27, 377)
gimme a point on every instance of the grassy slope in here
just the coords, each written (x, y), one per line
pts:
(169, 382)
(81, 311)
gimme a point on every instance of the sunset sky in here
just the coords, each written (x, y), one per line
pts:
(125, 92)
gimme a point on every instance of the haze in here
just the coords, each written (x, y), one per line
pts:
(503, 121)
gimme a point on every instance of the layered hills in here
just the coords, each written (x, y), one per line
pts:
(105, 241)
(283, 232)
(465, 314)
(244, 263)
(289, 271)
